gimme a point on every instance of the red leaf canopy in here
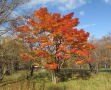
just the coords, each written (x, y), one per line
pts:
(55, 39)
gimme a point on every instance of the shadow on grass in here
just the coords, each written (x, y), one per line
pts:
(65, 76)
(83, 75)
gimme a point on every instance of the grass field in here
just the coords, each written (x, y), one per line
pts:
(99, 81)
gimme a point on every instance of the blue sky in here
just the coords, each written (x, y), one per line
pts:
(94, 15)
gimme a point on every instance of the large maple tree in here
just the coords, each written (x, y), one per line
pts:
(55, 40)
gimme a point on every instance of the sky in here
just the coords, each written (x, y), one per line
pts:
(94, 15)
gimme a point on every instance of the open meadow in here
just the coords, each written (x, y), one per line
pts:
(98, 81)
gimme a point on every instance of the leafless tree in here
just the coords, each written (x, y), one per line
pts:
(102, 56)
(6, 9)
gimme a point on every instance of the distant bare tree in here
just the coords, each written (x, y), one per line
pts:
(102, 54)
(6, 9)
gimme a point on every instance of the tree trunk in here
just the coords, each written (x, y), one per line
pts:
(32, 70)
(91, 67)
(54, 77)
(3, 73)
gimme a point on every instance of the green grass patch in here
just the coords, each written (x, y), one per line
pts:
(99, 81)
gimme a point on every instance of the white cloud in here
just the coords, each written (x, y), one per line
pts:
(85, 26)
(82, 13)
(14, 14)
(107, 1)
(59, 4)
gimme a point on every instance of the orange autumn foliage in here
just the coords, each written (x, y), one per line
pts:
(83, 53)
(46, 44)
(81, 62)
(24, 29)
(51, 66)
(55, 38)
(43, 39)
(84, 61)
(25, 56)
(31, 39)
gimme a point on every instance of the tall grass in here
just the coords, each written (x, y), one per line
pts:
(99, 81)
